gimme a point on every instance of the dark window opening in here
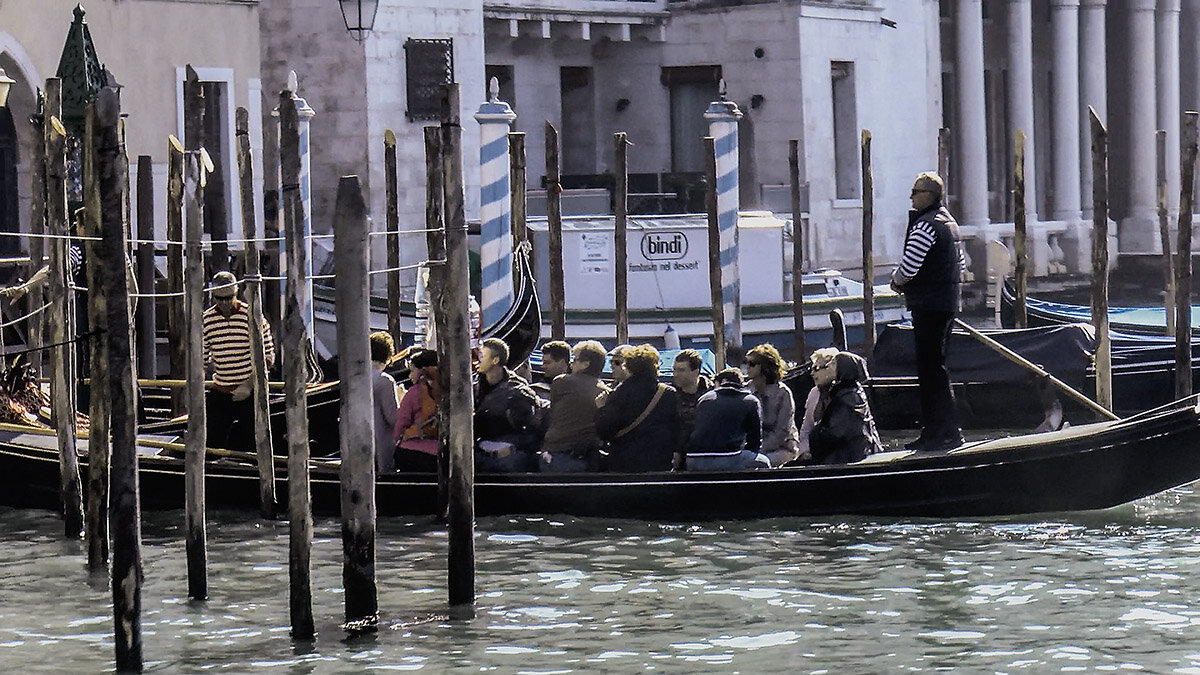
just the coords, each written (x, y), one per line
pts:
(428, 65)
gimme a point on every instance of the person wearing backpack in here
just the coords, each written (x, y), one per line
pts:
(416, 421)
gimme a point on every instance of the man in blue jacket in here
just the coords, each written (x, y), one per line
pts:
(930, 277)
(728, 431)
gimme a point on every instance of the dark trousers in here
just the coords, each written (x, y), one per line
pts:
(931, 331)
(230, 423)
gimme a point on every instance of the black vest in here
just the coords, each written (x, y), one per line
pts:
(937, 287)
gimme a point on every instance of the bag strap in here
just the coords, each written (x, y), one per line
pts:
(658, 393)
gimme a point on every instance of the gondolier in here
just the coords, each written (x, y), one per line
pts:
(226, 339)
(930, 277)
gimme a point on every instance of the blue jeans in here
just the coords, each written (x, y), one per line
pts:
(746, 459)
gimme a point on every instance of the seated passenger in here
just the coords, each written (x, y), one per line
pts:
(728, 429)
(556, 360)
(843, 429)
(640, 418)
(417, 420)
(506, 425)
(781, 440)
(382, 350)
(616, 359)
(571, 443)
(690, 385)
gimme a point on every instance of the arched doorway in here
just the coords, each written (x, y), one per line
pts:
(10, 212)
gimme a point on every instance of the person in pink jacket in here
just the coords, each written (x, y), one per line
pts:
(416, 422)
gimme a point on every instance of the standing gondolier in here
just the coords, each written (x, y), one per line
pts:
(930, 277)
(226, 338)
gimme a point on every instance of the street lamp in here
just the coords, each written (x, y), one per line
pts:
(6, 83)
(359, 16)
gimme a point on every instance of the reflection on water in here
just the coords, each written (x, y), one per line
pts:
(1106, 591)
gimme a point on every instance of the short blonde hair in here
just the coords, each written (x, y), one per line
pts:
(823, 357)
(641, 360)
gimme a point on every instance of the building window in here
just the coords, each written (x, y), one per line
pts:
(428, 65)
(692, 89)
(578, 120)
(845, 131)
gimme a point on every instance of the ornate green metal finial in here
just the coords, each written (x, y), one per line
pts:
(81, 73)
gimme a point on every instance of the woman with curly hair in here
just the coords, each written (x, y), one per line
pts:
(639, 420)
(781, 439)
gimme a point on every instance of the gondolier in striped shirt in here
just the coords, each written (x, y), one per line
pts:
(226, 332)
(930, 277)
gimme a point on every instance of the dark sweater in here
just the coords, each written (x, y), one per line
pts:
(728, 420)
(648, 446)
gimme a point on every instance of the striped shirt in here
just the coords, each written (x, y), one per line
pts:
(227, 344)
(916, 246)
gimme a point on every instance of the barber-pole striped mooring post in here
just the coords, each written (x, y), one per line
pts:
(723, 116)
(304, 114)
(495, 119)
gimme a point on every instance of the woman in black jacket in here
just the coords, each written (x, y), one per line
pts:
(845, 430)
(639, 420)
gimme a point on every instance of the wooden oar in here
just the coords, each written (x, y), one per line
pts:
(1037, 370)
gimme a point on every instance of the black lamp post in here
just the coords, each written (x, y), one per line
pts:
(359, 16)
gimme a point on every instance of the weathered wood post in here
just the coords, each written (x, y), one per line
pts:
(558, 307)
(263, 443)
(36, 296)
(295, 346)
(391, 201)
(1183, 268)
(126, 515)
(868, 253)
(62, 377)
(1020, 240)
(357, 407)
(797, 251)
(455, 358)
(176, 344)
(714, 251)
(196, 437)
(621, 235)
(516, 170)
(1164, 231)
(435, 241)
(1103, 356)
(943, 160)
(837, 324)
(96, 516)
(147, 330)
(271, 287)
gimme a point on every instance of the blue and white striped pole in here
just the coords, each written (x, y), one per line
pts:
(495, 119)
(723, 116)
(304, 113)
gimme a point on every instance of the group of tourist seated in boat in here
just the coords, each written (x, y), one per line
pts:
(572, 420)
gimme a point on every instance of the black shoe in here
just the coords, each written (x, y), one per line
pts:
(939, 443)
(918, 444)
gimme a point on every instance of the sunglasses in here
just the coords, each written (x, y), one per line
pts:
(917, 192)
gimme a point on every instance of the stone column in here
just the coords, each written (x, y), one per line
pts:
(1093, 79)
(1064, 18)
(1170, 110)
(972, 122)
(1139, 229)
(1020, 92)
(723, 116)
(495, 119)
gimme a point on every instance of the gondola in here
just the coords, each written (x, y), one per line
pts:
(1084, 467)
(1133, 320)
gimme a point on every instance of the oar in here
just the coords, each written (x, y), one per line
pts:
(1033, 368)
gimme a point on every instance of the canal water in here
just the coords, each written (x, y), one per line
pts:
(1115, 590)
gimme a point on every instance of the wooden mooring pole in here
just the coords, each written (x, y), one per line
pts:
(176, 346)
(1020, 240)
(1164, 231)
(263, 443)
(868, 254)
(126, 516)
(62, 376)
(37, 249)
(147, 316)
(714, 251)
(801, 351)
(1183, 268)
(96, 525)
(435, 241)
(295, 347)
(943, 161)
(621, 235)
(271, 287)
(357, 407)
(196, 438)
(518, 186)
(455, 358)
(391, 205)
(1103, 357)
(558, 311)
